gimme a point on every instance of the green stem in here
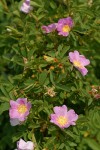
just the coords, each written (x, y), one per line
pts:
(34, 141)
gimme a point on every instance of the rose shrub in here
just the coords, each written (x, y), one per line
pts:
(49, 75)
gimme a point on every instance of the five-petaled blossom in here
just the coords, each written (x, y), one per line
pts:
(26, 7)
(22, 145)
(62, 117)
(49, 28)
(79, 61)
(64, 26)
(19, 110)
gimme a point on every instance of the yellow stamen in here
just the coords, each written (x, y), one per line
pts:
(66, 28)
(77, 64)
(22, 109)
(62, 120)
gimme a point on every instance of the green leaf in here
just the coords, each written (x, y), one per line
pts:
(57, 85)
(92, 144)
(3, 107)
(35, 4)
(62, 87)
(62, 146)
(63, 51)
(42, 77)
(53, 5)
(4, 91)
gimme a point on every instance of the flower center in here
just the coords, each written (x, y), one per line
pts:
(66, 28)
(62, 121)
(77, 64)
(22, 109)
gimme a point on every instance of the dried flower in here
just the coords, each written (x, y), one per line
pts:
(52, 67)
(50, 91)
(97, 96)
(95, 92)
(25, 60)
(90, 2)
(79, 61)
(62, 117)
(48, 58)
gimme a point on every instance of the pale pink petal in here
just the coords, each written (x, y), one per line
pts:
(29, 145)
(61, 21)
(76, 55)
(13, 104)
(22, 100)
(29, 105)
(59, 27)
(63, 33)
(26, 113)
(52, 26)
(83, 71)
(14, 122)
(22, 145)
(67, 125)
(49, 28)
(84, 61)
(69, 21)
(22, 117)
(60, 110)
(72, 116)
(13, 113)
(71, 57)
(45, 29)
(26, 7)
(53, 118)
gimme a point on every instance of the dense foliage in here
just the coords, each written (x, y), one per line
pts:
(35, 65)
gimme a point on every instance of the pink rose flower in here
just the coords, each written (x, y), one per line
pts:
(22, 145)
(79, 61)
(64, 26)
(49, 28)
(62, 117)
(19, 109)
(26, 7)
